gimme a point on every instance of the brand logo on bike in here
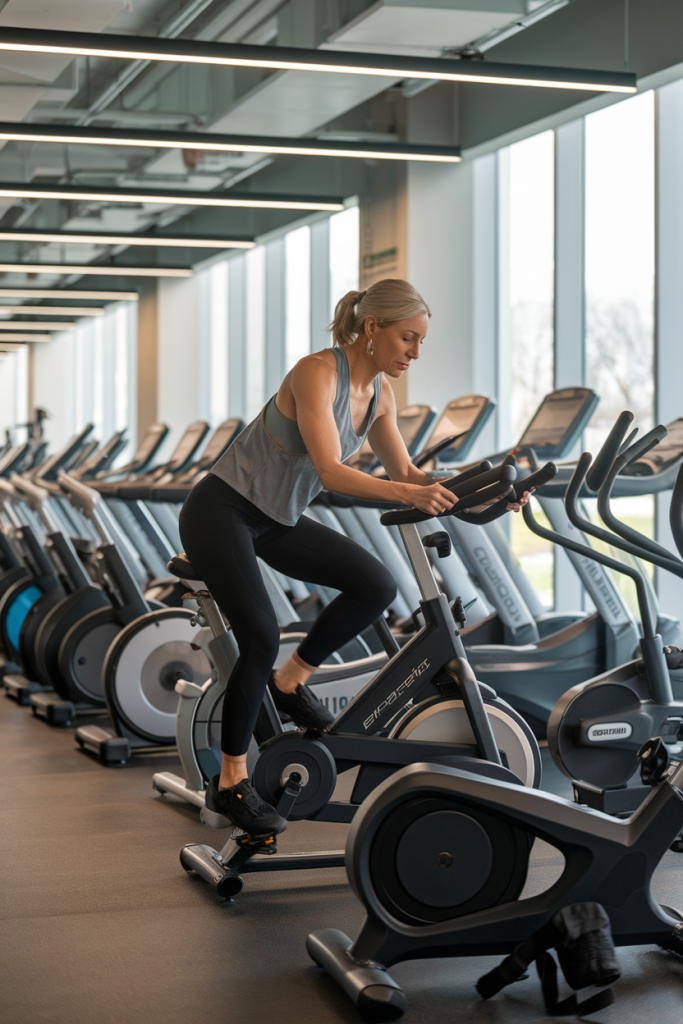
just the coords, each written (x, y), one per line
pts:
(400, 691)
(609, 731)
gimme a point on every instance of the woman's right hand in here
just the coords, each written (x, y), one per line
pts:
(432, 499)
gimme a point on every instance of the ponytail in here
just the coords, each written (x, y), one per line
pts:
(389, 301)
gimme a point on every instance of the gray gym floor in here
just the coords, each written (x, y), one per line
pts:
(99, 923)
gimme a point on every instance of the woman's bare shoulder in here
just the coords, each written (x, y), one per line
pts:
(318, 366)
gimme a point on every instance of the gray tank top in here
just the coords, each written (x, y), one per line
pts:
(268, 462)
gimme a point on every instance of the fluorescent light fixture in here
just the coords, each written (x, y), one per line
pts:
(48, 293)
(245, 200)
(115, 239)
(54, 310)
(29, 325)
(284, 58)
(14, 338)
(216, 143)
(89, 268)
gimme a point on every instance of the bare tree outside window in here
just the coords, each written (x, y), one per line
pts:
(531, 269)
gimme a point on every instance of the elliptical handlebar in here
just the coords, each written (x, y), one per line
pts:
(676, 511)
(604, 460)
(573, 490)
(642, 447)
(628, 539)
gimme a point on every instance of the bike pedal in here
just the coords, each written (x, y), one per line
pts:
(257, 844)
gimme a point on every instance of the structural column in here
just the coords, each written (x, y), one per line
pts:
(383, 241)
(237, 375)
(320, 285)
(147, 356)
(570, 303)
(668, 301)
(276, 316)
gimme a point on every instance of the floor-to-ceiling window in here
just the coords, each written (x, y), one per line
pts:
(255, 329)
(88, 375)
(344, 235)
(620, 268)
(529, 208)
(14, 394)
(297, 295)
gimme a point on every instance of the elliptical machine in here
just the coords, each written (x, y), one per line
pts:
(438, 856)
(597, 727)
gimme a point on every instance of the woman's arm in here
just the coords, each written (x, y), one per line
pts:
(313, 384)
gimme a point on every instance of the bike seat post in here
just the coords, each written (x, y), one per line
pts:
(209, 610)
(422, 568)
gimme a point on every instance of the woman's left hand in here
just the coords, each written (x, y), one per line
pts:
(515, 506)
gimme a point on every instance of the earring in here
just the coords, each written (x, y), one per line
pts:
(371, 349)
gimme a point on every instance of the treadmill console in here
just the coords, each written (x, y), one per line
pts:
(413, 422)
(663, 456)
(222, 438)
(558, 422)
(464, 418)
(148, 447)
(188, 445)
(50, 468)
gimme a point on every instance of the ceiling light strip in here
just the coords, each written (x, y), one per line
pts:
(216, 143)
(245, 201)
(10, 339)
(48, 293)
(53, 310)
(62, 237)
(30, 325)
(108, 271)
(281, 58)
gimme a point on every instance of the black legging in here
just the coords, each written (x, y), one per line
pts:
(222, 533)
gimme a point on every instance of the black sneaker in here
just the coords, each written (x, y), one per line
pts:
(242, 805)
(302, 706)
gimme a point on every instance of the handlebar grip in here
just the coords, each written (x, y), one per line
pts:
(488, 515)
(629, 441)
(467, 474)
(477, 489)
(604, 460)
(499, 474)
(642, 447)
(542, 476)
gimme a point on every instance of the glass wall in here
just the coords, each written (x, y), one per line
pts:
(99, 359)
(531, 269)
(297, 295)
(14, 395)
(344, 245)
(620, 271)
(235, 307)
(620, 262)
(530, 263)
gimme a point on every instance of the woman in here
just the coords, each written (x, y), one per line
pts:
(251, 505)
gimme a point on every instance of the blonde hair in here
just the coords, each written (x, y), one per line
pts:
(388, 301)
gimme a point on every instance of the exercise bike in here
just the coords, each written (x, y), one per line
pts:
(425, 703)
